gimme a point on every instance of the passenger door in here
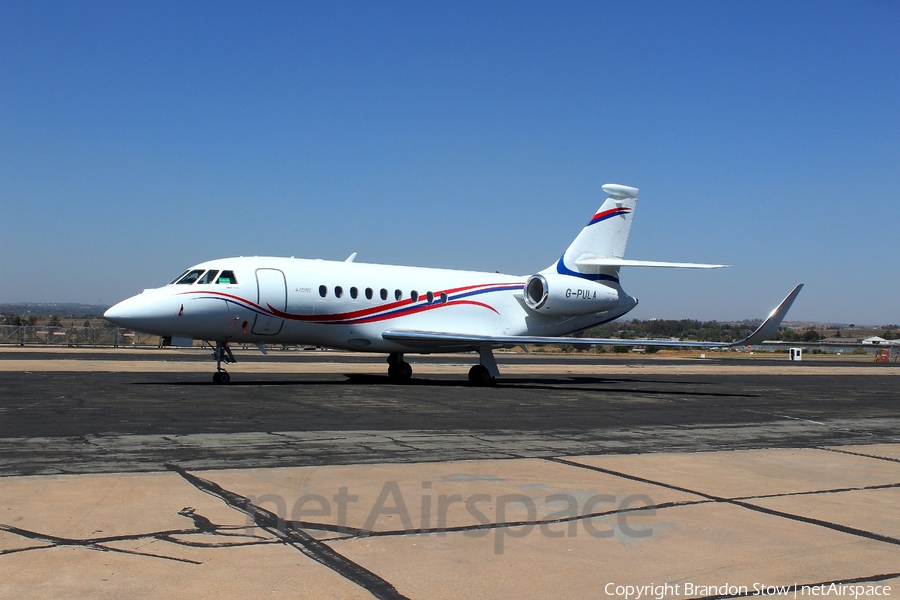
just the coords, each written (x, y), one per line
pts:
(272, 292)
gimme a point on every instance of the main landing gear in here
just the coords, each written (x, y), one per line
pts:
(486, 371)
(399, 371)
(480, 376)
(483, 374)
(222, 354)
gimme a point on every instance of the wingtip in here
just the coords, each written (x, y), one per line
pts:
(773, 321)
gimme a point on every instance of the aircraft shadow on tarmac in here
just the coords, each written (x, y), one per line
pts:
(574, 384)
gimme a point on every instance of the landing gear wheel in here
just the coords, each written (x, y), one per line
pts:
(404, 371)
(479, 375)
(400, 372)
(222, 354)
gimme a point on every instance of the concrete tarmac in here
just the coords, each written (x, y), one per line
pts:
(130, 473)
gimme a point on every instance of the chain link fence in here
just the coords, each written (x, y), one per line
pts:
(113, 337)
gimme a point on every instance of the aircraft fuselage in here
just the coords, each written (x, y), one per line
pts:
(345, 305)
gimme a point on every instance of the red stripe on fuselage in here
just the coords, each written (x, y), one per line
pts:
(366, 315)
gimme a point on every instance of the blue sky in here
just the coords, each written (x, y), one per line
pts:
(138, 138)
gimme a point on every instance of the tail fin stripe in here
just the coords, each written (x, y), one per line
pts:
(608, 214)
(562, 269)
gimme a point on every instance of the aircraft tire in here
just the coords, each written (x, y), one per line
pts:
(480, 376)
(405, 371)
(400, 372)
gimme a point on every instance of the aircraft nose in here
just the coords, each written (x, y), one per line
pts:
(145, 314)
(116, 312)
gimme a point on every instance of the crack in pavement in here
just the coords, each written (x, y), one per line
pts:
(884, 486)
(202, 526)
(738, 502)
(100, 543)
(299, 539)
(357, 533)
(875, 456)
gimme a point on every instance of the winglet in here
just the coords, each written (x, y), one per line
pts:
(351, 257)
(772, 323)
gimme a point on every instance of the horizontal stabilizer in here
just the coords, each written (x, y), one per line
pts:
(612, 261)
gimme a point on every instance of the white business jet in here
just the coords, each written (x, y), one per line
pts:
(399, 310)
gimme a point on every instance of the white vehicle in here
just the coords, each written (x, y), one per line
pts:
(399, 310)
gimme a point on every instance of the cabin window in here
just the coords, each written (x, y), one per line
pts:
(369, 293)
(430, 296)
(443, 297)
(191, 277)
(338, 291)
(383, 294)
(414, 295)
(354, 293)
(227, 278)
(323, 290)
(210, 277)
(398, 294)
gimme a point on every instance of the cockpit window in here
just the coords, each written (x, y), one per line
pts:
(227, 277)
(191, 277)
(177, 278)
(210, 277)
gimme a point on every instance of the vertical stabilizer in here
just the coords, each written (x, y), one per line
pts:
(605, 235)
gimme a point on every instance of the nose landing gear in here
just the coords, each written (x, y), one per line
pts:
(222, 354)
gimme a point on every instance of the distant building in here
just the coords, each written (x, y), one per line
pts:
(880, 341)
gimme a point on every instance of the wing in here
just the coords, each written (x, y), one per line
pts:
(462, 341)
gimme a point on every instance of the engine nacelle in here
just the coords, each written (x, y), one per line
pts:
(567, 296)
